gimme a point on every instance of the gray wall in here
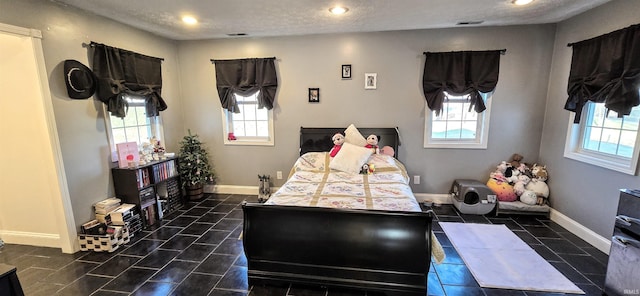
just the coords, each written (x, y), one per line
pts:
(80, 123)
(586, 193)
(315, 61)
(534, 68)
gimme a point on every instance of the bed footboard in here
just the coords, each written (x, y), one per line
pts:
(381, 251)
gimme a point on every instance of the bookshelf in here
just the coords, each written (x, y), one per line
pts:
(153, 187)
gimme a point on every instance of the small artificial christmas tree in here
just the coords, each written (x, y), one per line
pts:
(195, 169)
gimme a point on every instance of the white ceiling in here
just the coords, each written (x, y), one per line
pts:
(217, 18)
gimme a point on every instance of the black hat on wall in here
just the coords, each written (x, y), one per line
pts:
(80, 80)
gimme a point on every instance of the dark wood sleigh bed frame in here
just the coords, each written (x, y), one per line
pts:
(383, 251)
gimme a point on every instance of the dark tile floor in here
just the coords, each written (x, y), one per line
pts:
(196, 251)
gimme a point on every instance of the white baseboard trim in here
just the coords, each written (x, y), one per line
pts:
(433, 197)
(601, 243)
(234, 189)
(30, 238)
(596, 240)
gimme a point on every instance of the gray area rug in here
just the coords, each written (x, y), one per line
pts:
(498, 258)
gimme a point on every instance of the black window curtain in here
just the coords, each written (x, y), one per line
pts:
(460, 73)
(120, 72)
(606, 69)
(245, 77)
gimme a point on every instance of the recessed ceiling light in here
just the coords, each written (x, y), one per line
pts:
(521, 2)
(338, 10)
(189, 20)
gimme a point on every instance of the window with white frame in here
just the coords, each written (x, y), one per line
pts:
(457, 125)
(134, 127)
(603, 139)
(252, 126)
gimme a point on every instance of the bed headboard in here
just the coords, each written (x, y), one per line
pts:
(318, 139)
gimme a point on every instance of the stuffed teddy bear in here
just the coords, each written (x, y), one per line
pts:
(502, 167)
(512, 175)
(515, 160)
(524, 170)
(372, 143)
(519, 186)
(538, 183)
(498, 174)
(540, 188)
(539, 172)
(529, 197)
(338, 140)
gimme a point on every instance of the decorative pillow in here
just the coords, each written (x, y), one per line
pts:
(503, 191)
(350, 159)
(353, 136)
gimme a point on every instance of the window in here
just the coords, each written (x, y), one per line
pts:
(457, 126)
(604, 139)
(135, 127)
(252, 126)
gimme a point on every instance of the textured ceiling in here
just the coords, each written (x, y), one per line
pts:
(217, 18)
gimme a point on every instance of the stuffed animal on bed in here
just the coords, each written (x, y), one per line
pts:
(367, 169)
(364, 170)
(372, 143)
(338, 140)
(388, 150)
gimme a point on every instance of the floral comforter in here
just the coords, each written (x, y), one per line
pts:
(312, 183)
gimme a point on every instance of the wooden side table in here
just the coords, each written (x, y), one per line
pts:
(9, 283)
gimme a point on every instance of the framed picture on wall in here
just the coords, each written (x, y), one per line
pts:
(314, 95)
(346, 71)
(370, 80)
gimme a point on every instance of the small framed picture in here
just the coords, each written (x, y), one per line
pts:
(346, 71)
(370, 80)
(314, 95)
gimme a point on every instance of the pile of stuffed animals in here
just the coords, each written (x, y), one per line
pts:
(372, 143)
(515, 180)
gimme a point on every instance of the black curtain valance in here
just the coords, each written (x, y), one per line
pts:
(120, 72)
(606, 69)
(245, 77)
(460, 73)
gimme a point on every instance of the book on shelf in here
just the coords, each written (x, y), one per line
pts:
(164, 170)
(149, 215)
(142, 176)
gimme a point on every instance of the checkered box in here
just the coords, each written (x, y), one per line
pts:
(118, 236)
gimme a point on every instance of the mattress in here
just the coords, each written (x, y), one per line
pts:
(312, 183)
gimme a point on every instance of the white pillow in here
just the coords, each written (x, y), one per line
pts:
(350, 158)
(353, 136)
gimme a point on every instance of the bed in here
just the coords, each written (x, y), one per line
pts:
(332, 228)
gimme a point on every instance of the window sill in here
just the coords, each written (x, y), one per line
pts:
(241, 142)
(573, 151)
(456, 145)
(626, 167)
